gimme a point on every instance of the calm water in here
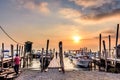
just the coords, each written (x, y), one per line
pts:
(67, 65)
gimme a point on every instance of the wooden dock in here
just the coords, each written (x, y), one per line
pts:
(5, 60)
(55, 63)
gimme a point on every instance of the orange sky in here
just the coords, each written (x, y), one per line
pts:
(59, 20)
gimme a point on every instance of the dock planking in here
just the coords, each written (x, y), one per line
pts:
(54, 63)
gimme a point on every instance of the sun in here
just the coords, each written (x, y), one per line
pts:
(76, 39)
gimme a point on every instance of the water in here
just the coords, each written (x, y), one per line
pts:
(68, 65)
(35, 65)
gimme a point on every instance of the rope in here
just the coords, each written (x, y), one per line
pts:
(9, 36)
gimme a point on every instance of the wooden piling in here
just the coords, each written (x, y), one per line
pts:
(30, 57)
(24, 58)
(95, 61)
(61, 56)
(42, 67)
(17, 49)
(21, 56)
(2, 56)
(46, 52)
(106, 65)
(116, 43)
(27, 60)
(117, 34)
(47, 47)
(109, 45)
(12, 54)
(22, 51)
(100, 40)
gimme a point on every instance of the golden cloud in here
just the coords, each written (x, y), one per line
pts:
(79, 17)
(89, 3)
(41, 7)
(69, 13)
(98, 9)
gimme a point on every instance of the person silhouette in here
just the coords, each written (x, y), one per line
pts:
(16, 64)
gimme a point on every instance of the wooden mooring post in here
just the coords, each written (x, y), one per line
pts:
(24, 58)
(95, 61)
(27, 60)
(17, 49)
(21, 52)
(106, 65)
(109, 45)
(100, 40)
(12, 54)
(116, 43)
(2, 56)
(46, 59)
(42, 64)
(61, 56)
(47, 47)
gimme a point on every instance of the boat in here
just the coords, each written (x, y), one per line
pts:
(81, 60)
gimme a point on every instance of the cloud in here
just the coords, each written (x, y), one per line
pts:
(98, 9)
(106, 32)
(89, 3)
(43, 7)
(73, 15)
(69, 13)
(34, 5)
(109, 31)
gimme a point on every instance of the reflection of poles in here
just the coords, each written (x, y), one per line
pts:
(61, 56)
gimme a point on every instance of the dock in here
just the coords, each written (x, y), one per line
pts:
(55, 63)
(71, 73)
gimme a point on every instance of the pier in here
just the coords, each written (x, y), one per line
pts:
(48, 64)
(71, 73)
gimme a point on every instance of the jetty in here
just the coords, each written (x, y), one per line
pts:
(7, 64)
(106, 60)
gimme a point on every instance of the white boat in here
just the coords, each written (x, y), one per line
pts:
(81, 60)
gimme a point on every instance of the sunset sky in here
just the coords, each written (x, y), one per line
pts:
(59, 20)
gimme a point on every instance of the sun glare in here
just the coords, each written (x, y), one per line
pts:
(76, 39)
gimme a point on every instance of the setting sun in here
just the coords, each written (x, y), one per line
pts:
(76, 39)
